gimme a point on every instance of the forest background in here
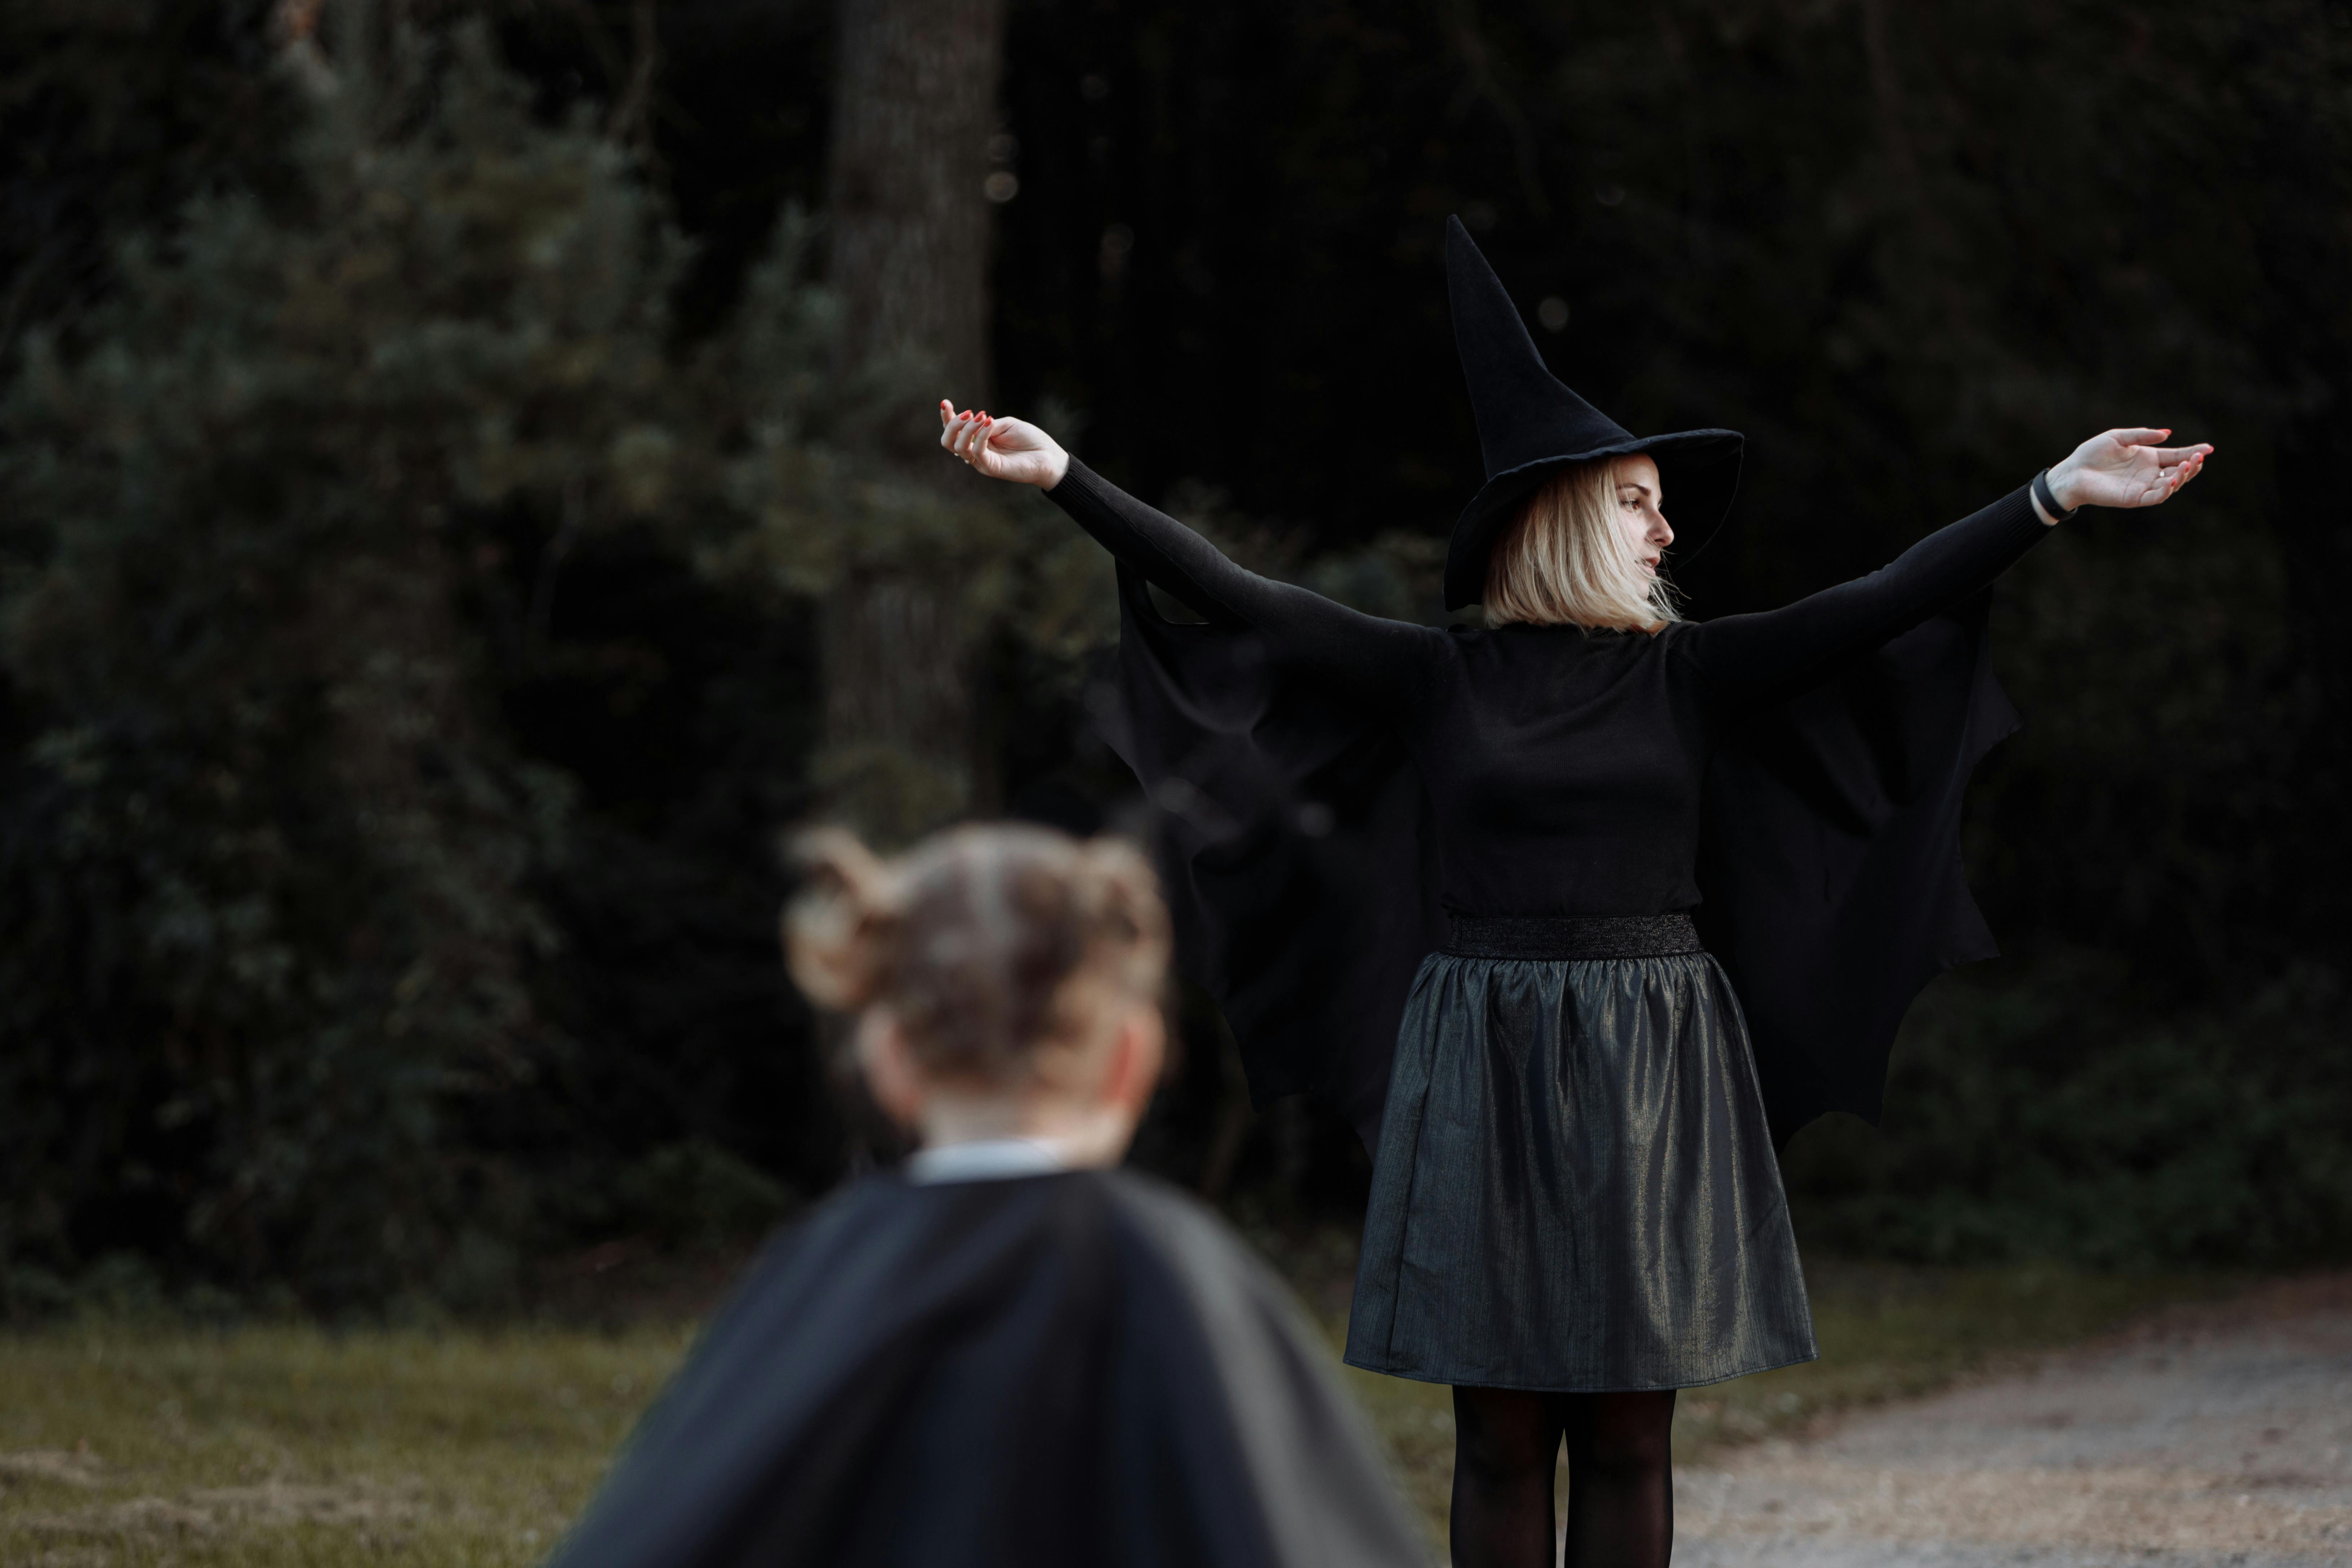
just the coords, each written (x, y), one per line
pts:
(466, 484)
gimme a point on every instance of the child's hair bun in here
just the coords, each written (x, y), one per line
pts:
(977, 939)
(840, 928)
(1119, 900)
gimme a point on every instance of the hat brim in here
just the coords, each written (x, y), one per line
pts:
(1698, 469)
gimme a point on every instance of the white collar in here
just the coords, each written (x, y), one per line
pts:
(985, 1160)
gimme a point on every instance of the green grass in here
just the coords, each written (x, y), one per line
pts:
(158, 1446)
(155, 1444)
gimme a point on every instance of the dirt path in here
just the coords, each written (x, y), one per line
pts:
(2209, 1437)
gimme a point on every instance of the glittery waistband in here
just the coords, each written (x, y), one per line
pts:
(1554, 937)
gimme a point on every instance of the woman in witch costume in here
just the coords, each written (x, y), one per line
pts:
(1576, 916)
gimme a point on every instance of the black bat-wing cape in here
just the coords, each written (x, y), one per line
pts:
(1294, 838)
(1073, 1369)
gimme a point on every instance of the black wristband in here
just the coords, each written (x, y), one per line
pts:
(2049, 501)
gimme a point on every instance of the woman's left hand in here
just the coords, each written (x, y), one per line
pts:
(2125, 467)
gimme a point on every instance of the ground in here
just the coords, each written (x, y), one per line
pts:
(145, 1443)
(2198, 1438)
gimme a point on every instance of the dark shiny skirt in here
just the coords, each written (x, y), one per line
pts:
(1575, 1189)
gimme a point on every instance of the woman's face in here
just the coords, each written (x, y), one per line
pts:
(1640, 514)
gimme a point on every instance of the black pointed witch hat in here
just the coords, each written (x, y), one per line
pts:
(1530, 425)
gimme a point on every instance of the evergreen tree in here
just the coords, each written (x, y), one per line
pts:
(268, 855)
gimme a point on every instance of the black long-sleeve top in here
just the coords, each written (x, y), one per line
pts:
(1563, 766)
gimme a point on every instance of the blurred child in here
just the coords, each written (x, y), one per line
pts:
(1011, 1352)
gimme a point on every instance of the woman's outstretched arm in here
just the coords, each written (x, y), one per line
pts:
(1363, 653)
(1781, 649)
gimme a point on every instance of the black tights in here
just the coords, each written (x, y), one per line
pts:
(1620, 1497)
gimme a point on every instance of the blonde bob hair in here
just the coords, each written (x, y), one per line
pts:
(1565, 562)
(994, 948)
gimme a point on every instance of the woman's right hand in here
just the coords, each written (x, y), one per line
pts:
(1011, 449)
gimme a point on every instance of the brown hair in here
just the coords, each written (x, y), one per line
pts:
(988, 944)
(1563, 561)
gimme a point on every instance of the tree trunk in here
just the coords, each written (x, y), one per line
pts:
(915, 104)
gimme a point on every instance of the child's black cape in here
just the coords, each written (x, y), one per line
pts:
(1066, 1370)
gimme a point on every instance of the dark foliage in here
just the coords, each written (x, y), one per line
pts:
(355, 634)
(286, 993)
(111, 116)
(2055, 1113)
